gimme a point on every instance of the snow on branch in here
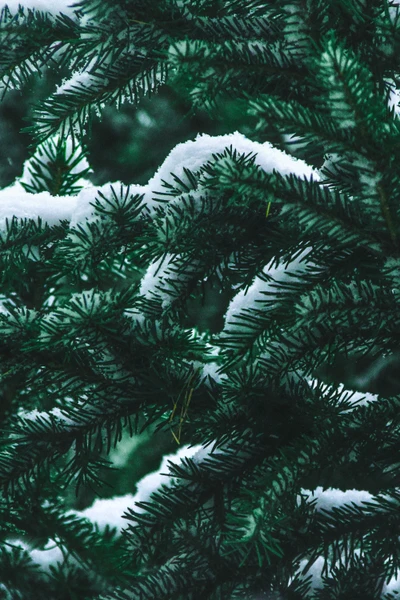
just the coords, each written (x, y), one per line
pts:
(261, 288)
(191, 155)
(54, 7)
(109, 511)
(16, 202)
(333, 498)
(167, 273)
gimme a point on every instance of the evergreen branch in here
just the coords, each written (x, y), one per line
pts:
(314, 127)
(353, 101)
(130, 79)
(29, 42)
(235, 27)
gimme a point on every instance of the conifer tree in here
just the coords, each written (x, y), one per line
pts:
(285, 415)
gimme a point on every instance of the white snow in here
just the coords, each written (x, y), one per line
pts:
(154, 480)
(331, 498)
(3, 299)
(35, 414)
(194, 154)
(109, 511)
(154, 283)
(84, 78)
(84, 208)
(203, 453)
(349, 396)
(155, 275)
(360, 398)
(79, 79)
(265, 290)
(334, 498)
(315, 571)
(54, 7)
(210, 370)
(394, 100)
(393, 586)
(50, 556)
(15, 201)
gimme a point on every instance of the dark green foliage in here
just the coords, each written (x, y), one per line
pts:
(102, 358)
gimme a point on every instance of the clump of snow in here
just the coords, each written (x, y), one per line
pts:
(77, 80)
(84, 209)
(85, 78)
(50, 556)
(394, 100)
(154, 480)
(155, 273)
(3, 309)
(261, 290)
(393, 586)
(211, 370)
(315, 571)
(110, 511)
(361, 398)
(15, 201)
(334, 498)
(161, 276)
(54, 7)
(192, 155)
(35, 414)
(349, 396)
(203, 453)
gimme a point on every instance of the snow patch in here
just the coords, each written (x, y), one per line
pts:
(334, 498)
(15, 201)
(54, 7)
(260, 288)
(110, 511)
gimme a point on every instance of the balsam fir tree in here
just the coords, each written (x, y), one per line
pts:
(283, 412)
